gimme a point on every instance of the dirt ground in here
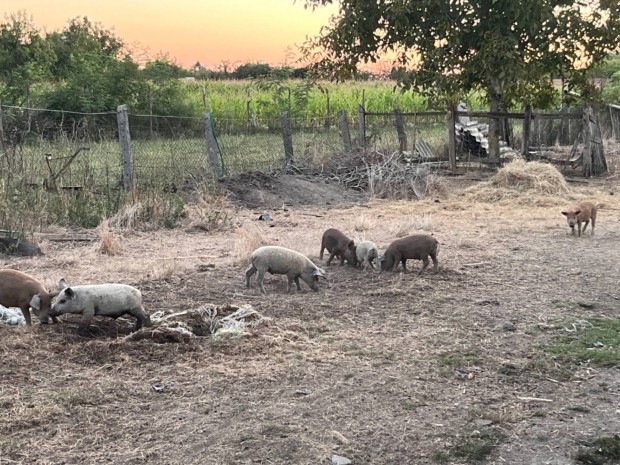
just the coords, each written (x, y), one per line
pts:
(365, 368)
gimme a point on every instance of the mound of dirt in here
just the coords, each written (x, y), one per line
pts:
(260, 190)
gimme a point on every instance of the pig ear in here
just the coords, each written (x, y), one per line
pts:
(565, 213)
(69, 293)
(62, 284)
(577, 212)
(35, 302)
(319, 272)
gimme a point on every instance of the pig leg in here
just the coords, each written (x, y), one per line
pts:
(593, 223)
(248, 274)
(424, 264)
(87, 316)
(341, 259)
(321, 254)
(261, 277)
(578, 228)
(297, 283)
(435, 263)
(331, 257)
(26, 313)
(404, 261)
(583, 230)
(142, 319)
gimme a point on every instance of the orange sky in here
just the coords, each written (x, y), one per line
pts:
(209, 31)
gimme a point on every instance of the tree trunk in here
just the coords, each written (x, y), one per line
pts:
(494, 97)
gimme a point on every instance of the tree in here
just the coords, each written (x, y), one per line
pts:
(446, 48)
(92, 72)
(163, 69)
(25, 58)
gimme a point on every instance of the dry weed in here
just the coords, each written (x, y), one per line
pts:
(126, 217)
(210, 211)
(109, 242)
(247, 239)
(364, 223)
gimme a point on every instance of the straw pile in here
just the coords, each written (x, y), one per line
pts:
(216, 322)
(521, 180)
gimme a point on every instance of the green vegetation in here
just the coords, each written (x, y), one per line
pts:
(475, 449)
(593, 340)
(602, 451)
(500, 48)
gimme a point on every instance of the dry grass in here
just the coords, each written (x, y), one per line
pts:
(364, 223)
(537, 181)
(127, 217)
(247, 239)
(109, 242)
(209, 210)
(369, 358)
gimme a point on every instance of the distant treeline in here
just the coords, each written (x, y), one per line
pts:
(86, 68)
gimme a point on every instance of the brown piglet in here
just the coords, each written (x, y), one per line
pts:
(582, 213)
(338, 245)
(18, 289)
(416, 246)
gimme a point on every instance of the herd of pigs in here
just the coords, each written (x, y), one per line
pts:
(21, 290)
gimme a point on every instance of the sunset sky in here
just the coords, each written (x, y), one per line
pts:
(209, 31)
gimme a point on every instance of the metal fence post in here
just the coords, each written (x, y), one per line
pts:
(361, 126)
(213, 151)
(124, 139)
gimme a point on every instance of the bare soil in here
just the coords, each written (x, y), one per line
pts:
(260, 190)
(366, 368)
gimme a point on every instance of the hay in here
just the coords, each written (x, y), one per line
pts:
(109, 242)
(521, 179)
(248, 238)
(216, 322)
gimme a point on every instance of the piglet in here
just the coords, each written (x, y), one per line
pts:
(581, 213)
(338, 245)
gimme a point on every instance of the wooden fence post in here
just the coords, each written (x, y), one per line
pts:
(614, 114)
(564, 132)
(124, 139)
(213, 151)
(525, 149)
(400, 129)
(1, 131)
(452, 137)
(361, 126)
(344, 128)
(287, 137)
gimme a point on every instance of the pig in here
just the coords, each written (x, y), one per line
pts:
(112, 300)
(18, 289)
(416, 246)
(338, 245)
(581, 213)
(366, 252)
(280, 260)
